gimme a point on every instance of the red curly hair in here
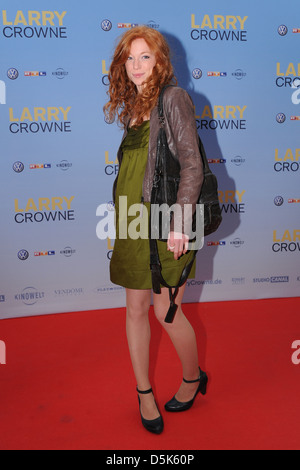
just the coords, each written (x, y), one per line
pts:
(125, 101)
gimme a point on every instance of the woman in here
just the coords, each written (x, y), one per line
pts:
(140, 68)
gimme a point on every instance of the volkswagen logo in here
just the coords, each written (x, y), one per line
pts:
(18, 167)
(23, 255)
(106, 25)
(280, 118)
(12, 74)
(197, 74)
(283, 30)
(278, 201)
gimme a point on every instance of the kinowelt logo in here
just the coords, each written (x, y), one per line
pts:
(34, 24)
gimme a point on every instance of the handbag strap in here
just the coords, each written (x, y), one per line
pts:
(155, 265)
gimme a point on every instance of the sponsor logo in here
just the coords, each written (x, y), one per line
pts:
(283, 30)
(221, 243)
(44, 253)
(217, 74)
(237, 243)
(23, 255)
(2, 298)
(271, 280)
(12, 74)
(238, 161)
(281, 118)
(60, 73)
(67, 252)
(278, 201)
(18, 167)
(35, 74)
(197, 74)
(238, 281)
(239, 74)
(69, 292)
(29, 296)
(106, 25)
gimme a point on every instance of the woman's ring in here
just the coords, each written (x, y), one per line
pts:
(172, 247)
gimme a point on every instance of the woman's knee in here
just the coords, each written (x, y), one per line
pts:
(138, 304)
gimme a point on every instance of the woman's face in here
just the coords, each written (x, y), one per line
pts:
(140, 63)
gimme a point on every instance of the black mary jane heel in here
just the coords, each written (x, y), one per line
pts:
(175, 406)
(156, 426)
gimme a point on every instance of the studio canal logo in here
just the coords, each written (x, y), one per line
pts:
(34, 24)
(29, 296)
(222, 117)
(39, 120)
(44, 209)
(218, 28)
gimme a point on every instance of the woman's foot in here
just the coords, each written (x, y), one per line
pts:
(150, 415)
(185, 397)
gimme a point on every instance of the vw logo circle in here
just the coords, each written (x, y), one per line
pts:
(23, 255)
(106, 25)
(283, 30)
(197, 74)
(12, 74)
(18, 167)
(278, 201)
(280, 118)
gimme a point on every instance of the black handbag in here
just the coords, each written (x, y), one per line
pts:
(165, 187)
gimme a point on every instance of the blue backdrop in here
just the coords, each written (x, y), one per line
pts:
(240, 63)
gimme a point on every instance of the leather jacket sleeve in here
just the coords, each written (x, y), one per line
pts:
(183, 142)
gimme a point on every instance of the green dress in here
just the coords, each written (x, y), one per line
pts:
(130, 263)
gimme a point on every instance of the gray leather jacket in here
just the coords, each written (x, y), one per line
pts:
(182, 138)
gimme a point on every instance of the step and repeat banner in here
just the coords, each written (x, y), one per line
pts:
(240, 63)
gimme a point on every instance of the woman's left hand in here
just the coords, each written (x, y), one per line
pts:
(178, 243)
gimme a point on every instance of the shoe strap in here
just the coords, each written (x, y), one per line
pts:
(146, 392)
(193, 381)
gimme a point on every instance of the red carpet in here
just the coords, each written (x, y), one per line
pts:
(68, 382)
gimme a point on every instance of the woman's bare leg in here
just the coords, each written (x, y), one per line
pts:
(183, 338)
(138, 336)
